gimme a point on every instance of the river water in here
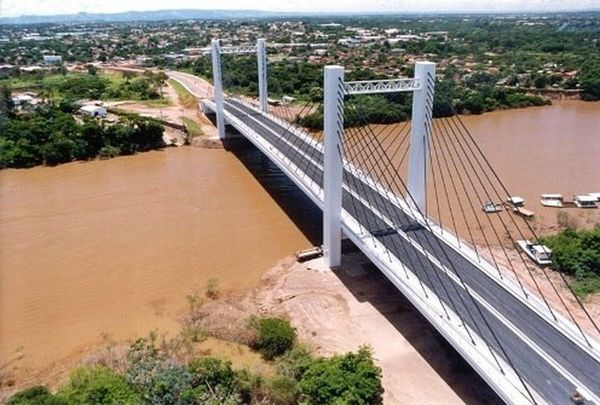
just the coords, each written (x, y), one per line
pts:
(550, 149)
(91, 250)
(109, 249)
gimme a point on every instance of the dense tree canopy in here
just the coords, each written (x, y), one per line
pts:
(49, 135)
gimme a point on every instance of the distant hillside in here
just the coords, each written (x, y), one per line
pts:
(157, 15)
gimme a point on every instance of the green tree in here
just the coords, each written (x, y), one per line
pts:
(349, 379)
(274, 336)
(98, 386)
(6, 103)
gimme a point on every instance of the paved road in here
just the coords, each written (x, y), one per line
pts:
(539, 374)
(200, 88)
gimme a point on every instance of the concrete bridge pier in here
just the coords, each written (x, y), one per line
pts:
(422, 111)
(332, 165)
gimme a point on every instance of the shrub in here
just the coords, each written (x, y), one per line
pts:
(144, 361)
(172, 385)
(247, 384)
(37, 395)
(281, 390)
(274, 336)
(193, 329)
(98, 385)
(212, 290)
(349, 379)
(109, 151)
(212, 372)
(295, 362)
(218, 398)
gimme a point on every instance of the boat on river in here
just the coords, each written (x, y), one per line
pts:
(585, 201)
(490, 207)
(515, 201)
(552, 200)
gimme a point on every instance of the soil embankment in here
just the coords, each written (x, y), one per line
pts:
(335, 312)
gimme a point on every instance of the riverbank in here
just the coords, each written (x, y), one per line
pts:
(336, 312)
(333, 313)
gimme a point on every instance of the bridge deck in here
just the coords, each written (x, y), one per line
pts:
(552, 364)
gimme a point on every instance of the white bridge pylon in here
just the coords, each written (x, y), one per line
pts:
(261, 56)
(422, 87)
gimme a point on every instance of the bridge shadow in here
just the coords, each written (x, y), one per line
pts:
(366, 282)
(296, 205)
(369, 285)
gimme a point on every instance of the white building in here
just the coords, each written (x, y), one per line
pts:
(93, 110)
(52, 59)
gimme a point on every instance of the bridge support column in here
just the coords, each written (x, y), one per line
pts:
(419, 137)
(261, 55)
(218, 87)
(332, 165)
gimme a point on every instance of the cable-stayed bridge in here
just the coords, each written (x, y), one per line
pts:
(409, 197)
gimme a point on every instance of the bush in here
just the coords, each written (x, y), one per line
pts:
(35, 396)
(212, 372)
(274, 337)
(144, 362)
(281, 390)
(98, 385)
(212, 289)
(295, 362)
(109, 151)
(349, 379)
(172, 385)
(577, 253)
(247, 385)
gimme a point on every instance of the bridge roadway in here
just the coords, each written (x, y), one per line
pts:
(515, 324)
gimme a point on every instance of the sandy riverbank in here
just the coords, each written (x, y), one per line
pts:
(335, 312)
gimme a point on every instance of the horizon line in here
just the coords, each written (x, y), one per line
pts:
(324, 13)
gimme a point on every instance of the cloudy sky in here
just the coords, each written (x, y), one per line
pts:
(11, 8)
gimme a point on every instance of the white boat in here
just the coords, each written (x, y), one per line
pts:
(585, 201)
(552, 200)
(516, 201)
(490, 207)
(541, 254)
(595, 195)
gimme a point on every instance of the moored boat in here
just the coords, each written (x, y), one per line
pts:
(585, 201)
(490, 207)
(552, 200)
(516, 201)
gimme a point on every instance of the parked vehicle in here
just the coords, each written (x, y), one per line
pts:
(541, 254)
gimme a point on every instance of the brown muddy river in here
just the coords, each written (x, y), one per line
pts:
(534, 151)
(111, 248)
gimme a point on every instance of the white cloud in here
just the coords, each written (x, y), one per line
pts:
(9, 8)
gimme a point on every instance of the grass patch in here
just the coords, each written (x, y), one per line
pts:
(192, 127)
(161, 102)
(585, 287)
(144, 88)
(185, 97)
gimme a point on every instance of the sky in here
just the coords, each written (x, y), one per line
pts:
(12, 8)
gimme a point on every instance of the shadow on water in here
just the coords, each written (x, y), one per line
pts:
(372, 286)
(297, 206)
